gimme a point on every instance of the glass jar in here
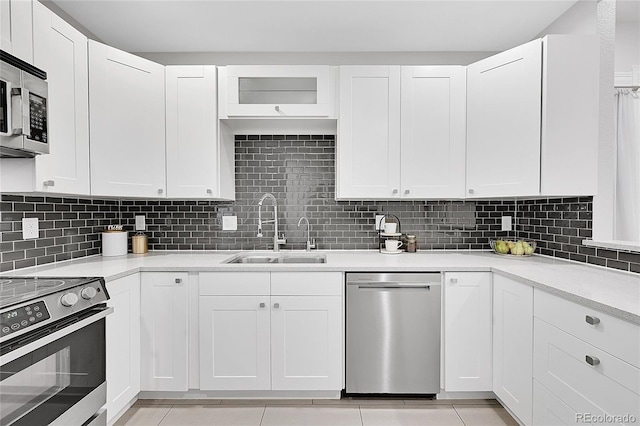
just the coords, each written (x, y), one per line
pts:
(412, 244)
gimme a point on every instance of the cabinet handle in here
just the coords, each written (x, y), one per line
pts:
(262, 304)
(278, 108)
(209, 191)
(178, 280)
(471, 191)
(406, 191)
(276, 305)
(160, 190)
(592, 320)
(592, 360)
(395, 191)
(49, 183)
(454, 281)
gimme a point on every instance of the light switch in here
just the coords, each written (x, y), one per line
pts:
(229, 223)
(379, 222)
(507, 223)
(140, 223)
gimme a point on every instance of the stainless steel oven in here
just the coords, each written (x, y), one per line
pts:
(52, 356)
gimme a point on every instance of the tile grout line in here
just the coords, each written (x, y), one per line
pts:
(165, 415)
(458, 414)
(264, 410)
(360, 412)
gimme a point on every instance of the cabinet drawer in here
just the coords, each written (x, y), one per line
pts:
(234, 283)
(306, 283)
(610, 334)
(548, 409)
(609, 387)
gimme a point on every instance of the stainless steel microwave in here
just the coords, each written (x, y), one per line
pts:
(23, 108)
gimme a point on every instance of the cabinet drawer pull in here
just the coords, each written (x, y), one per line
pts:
(49, 183)
(592, 320)
(395, 191)
(262, 304)
(278, 108)
(592, 360)
(471, 191)
(160, 191)
(407, 191)
(454, 280)
(178, 280)
(276, 305)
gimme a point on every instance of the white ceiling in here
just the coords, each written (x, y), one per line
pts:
(314, 25)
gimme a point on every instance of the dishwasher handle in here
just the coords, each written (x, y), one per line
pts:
(394, 285)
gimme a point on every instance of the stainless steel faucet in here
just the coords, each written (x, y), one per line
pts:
(311, 244)
(277, 240)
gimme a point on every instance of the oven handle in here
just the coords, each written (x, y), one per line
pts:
(32, 346)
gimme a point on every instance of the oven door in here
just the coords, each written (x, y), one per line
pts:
(55, 375)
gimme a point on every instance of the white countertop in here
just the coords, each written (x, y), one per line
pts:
(610, 291)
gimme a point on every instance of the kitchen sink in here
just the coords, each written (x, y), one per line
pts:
(278, 258)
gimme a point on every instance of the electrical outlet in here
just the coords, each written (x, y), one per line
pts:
(379, 222)
(507, 223)
(30, 228)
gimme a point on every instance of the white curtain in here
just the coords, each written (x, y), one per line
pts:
(627, 218)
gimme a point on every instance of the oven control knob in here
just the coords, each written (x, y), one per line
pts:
(88, 293)
(69, 299)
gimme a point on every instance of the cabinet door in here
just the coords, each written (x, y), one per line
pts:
(123, 344)
(306, 342)
(433, 130)
(277, 91)
(503, 123)
(513, 345)
(368, 145)
(192, 139)
(127, 124)
(164, 339)
(234, 343)
(467, 339)
(61, 50)
(570, 108)
(16, 35)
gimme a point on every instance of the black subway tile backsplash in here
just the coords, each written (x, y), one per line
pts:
(300, 171)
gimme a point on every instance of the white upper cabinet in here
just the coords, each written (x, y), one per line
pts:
(368, 145)
(570, 87)
(193, 150)
(532, 119)
(16, 36)
(277, 91)
(433, 109)
(127, 117)
(503, 123)
(61, 51)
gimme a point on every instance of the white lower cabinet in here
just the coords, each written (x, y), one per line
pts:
(123, 344)
(256, 334)
(164, 338)
(234, 343)
(513, 345)
(467, 331)
(306, 344)
(580, 367)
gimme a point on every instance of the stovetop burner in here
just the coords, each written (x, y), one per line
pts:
(18, 289)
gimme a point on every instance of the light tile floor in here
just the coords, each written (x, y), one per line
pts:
(344, 412)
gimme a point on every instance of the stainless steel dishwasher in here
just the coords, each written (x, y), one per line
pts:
(393, 333)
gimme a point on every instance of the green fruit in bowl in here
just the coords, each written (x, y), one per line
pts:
(501, 247)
